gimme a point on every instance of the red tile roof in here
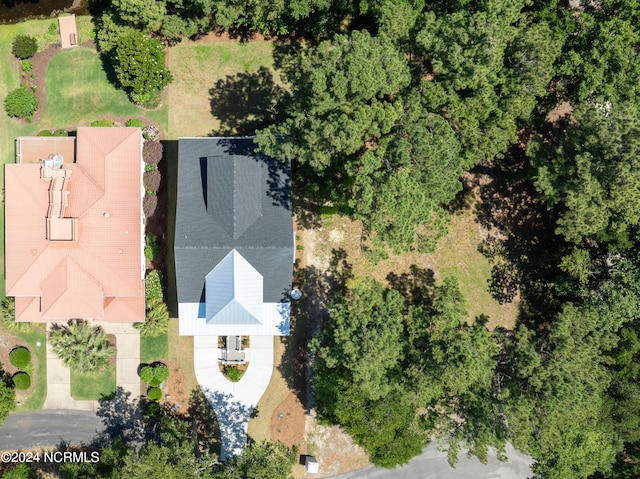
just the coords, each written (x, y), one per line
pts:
(100, 275)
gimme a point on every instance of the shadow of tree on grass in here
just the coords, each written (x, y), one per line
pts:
(245, 102)
(122, 417)
(522, 244)
(311, 314)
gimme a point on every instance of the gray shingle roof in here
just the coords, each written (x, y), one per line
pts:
(230, 197)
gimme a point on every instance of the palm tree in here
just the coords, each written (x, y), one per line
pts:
(80, 346)
(8, 316)
(156, 322)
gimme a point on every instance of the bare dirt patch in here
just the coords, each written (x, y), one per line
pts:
(181, 357)
(288, 423)
(334, 449)
(340, 239)
(175, 388)
(559, 112)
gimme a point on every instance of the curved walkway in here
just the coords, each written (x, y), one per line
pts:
(233, 402)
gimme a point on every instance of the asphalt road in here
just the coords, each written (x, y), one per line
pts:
(48, 428)
(433, 465)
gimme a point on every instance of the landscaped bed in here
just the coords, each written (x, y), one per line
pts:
(33, 397)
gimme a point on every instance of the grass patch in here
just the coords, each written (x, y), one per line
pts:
(457, 255)
(95, 385)
(36, 399)
(196, 68)
(154, 348)
(79, 90)
(181, 353)
(259, 428)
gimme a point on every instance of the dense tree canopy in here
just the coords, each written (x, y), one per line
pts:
(592, 173)
(392, 375)
(388, 103)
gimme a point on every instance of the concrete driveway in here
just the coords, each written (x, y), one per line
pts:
(233, 402)
(127, 362)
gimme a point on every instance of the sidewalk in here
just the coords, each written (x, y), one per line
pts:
(128, 359)
(233, 402)
(128, 356)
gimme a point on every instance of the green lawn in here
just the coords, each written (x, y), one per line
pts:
(35, 401)
(78, 91)
(93, 386)
(196, 68)
(154, 348)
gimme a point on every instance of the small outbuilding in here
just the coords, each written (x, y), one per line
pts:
(68, 31)
(311, 464)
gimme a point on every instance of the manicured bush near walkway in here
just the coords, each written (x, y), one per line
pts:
(232, 373)
(37, 344)
(21, 103)
(21, 380)
(154, 374)
(154, 393)
(20, 357)
(24, 46)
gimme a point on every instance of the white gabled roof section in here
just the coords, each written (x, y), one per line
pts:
(234, 292)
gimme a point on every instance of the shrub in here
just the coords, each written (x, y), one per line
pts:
(21, 471)
(21, 103)
(149, 205)
(152, 152)
(146, 374)
(134, 122)
(150, 133)
(153, 409)
(61, 133)
(151, 180)
(8, 309)
(154, 393)
(153, 290)
(26, 65)
(151, 247)
(20, 357)
(103, 122)
(161, 372)
(21, 380)
(139, 65)
(232, 373)
(8, 316)
(24, 46)
(45, 133)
